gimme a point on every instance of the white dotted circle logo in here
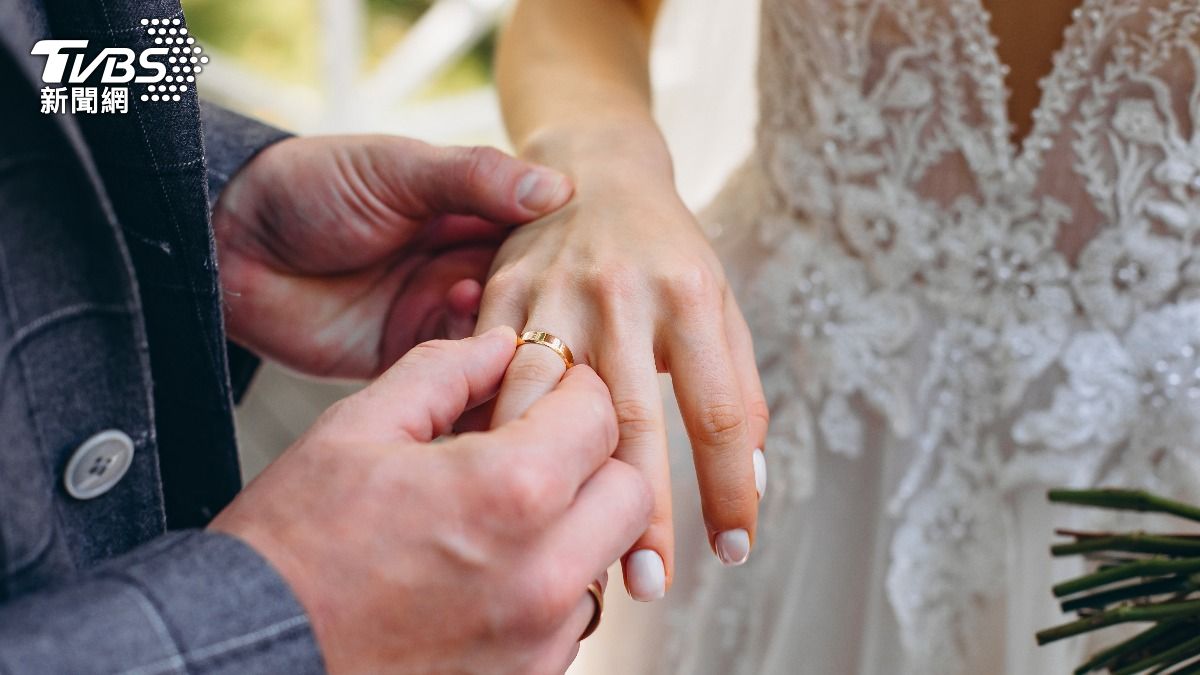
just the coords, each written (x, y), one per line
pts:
(185, 59)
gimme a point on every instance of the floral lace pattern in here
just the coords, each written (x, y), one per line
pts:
(922, 269)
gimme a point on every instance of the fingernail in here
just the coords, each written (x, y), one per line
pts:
(541, 189)
(760, 472)
(733, 547)
(647, 575)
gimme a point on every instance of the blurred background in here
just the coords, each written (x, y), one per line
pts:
(418, 66)
(423, 68)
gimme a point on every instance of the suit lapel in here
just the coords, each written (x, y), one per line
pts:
(22, 23)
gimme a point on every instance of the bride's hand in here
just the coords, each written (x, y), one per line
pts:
(625, 277)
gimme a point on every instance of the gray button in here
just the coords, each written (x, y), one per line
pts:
(98, 464)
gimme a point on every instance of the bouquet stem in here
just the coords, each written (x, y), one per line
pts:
(1140, 578)
(1126, 500)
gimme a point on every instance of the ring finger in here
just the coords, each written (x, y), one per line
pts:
(536, 369)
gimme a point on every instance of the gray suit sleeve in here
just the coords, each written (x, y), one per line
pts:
(189, 602)
(231, 140)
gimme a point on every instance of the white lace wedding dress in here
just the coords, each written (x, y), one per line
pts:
(946, 324)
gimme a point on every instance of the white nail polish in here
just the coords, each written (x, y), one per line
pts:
(733, 547)
(647, 575)
(760, 472)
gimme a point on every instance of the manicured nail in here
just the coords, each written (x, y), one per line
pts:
(647, 575)
(760, 472)
(541, 189)
(733, 547)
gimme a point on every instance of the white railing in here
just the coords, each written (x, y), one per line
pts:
(349, 99)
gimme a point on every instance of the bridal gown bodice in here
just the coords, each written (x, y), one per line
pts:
(946, 325)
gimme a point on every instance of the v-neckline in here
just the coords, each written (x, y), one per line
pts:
(1021, 151)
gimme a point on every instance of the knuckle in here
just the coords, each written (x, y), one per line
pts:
(527, 492)
(720, 423)
(482, 164)
(423, 357)
(691, 286)
(478, 464)
(428, 352)
(635, 418)
(508, 283)
(416, 153)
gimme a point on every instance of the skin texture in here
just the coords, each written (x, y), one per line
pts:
(466, 556)
(338, 254)
(623, 274)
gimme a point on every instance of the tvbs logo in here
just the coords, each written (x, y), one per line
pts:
(165, 72)
(118, 63)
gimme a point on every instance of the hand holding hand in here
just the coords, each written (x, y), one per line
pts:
(338, 254)
(470, 555)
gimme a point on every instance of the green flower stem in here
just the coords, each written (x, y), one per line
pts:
(1139, 568)
(1139, 577)
(1174, 655)
(1126, 500)
(1168, 641)
(1125, 614)
(1087, 534)
(1191, 669)
(1146, 589)
(1143, 641)
(1136, 542)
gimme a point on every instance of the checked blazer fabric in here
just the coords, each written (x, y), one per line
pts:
(110, 319)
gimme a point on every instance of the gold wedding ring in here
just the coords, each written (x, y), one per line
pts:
(598, 600)
(537, 337)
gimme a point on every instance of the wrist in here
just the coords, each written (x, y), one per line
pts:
(620, 151)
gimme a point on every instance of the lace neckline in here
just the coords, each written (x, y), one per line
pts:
(1024, 156)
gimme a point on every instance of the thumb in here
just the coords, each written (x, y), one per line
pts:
(429, 388)
(484, 182)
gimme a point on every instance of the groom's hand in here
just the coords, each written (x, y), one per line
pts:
(338, 254)
(468, 556)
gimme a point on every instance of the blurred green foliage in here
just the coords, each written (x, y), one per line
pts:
(281, 38)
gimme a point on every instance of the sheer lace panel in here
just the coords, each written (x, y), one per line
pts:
(1014, 316)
